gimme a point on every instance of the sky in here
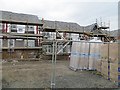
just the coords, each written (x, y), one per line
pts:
(83, 12)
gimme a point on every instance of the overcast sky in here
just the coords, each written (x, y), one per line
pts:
(79, 11)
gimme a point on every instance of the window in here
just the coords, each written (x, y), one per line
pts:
(20, 28)
(31, 43)
(13, 26)
(30, 28)
(47, 48)
(1, 26)
(11, 43)
(0, 45)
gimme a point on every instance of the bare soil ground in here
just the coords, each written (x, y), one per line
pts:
(37, 74)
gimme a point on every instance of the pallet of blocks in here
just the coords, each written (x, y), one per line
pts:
(104, 68)
(114, 71)
(102, 64)
(114, 61)
(98, 65)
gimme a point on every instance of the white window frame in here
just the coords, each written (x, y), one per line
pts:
(11, 43)
(1, 44)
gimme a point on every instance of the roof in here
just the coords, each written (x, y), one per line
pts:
(91, 28)
(114, 33)
(73, 27)
(19, 17)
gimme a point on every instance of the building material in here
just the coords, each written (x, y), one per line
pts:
(114, 71)
(75, 56)
(85, 54)
(98, 65)
(102, 67)
(114, 51)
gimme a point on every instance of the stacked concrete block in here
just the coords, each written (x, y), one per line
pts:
(114, 52)
(104, 51)
(114, 61)
(104, 68)
(103, 63)
(98, 65)
(114, 71)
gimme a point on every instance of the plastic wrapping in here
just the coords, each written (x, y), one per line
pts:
(75, 55)
(85, 54)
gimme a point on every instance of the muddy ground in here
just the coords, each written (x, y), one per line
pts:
(37, 74)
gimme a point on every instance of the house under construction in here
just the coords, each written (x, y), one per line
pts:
(25, 36)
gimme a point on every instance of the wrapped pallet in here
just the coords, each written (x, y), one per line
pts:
(94, 53)
(91, 56)
(83, 56)
(75, 56)
(86, 60)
